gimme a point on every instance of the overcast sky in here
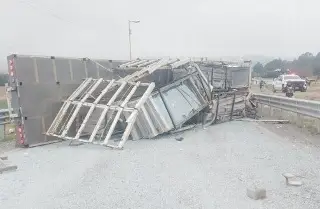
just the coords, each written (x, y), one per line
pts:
(211, 28)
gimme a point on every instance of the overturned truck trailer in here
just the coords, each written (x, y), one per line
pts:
(108, 102)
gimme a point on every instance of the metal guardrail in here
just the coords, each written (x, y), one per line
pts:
(300, 106)
(4, 110)
(4, 120)
(4, 114)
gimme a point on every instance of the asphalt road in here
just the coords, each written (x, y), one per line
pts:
(210, 168)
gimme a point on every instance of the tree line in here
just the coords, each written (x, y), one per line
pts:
(3, 79)
(305, 65)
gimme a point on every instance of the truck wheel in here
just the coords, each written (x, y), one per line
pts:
(273, 89)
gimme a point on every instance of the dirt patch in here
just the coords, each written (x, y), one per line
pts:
(293, 133)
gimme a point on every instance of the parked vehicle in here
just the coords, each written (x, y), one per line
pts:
(281, 83)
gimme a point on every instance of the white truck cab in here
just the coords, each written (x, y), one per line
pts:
(280, 83)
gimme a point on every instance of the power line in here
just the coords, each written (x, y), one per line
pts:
(45, 11)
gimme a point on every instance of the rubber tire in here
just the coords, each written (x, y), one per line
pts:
(274, 90)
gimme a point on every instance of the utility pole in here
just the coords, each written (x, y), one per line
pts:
(129, 25)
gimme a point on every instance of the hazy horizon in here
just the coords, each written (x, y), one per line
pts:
(203, 28)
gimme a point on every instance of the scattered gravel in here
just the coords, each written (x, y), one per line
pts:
(210, 168)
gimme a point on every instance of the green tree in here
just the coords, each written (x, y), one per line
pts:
(305, 65)
(316, 65)
(274, 65)
(258, 69)
(3, 79)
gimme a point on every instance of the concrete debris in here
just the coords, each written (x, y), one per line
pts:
(292, 180)
(3, 157)
(160, 96)
(256, 193)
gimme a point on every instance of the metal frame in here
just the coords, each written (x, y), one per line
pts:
(229, 105)
(157, 117)
(146, 70)
(149, 66)
(67, 104)
(120, 107)
(229, 77)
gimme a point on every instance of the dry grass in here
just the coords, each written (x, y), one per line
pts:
(3, 105)
(309, 124)
(3, 99)
(2, 93)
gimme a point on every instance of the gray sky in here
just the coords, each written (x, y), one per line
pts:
(99, 28)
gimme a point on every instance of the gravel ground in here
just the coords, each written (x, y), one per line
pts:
(6, 146)
(210, 168)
